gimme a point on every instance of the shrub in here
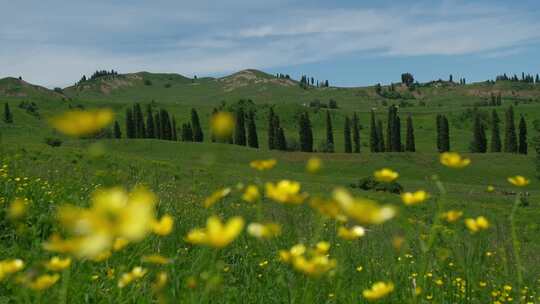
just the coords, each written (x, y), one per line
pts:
(53, 142)
(369, 183)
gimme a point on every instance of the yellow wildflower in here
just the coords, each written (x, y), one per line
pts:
(264, 231)
(264, 164)
(44, 281)
(452, 215)
(363, 210)
(385, 175)
(314, 262)
(156, 259)
(8, 267)
(222, 124)
(285, 191)
(216, 234)
(79, 122)
(216, 196)
(164, 226)
(378, 290)
(126, 278)
(518, 181)
(119, 244)
(251, 194)
(329, 208)
(475, 225)
(413, 198)
(490, 188)
(161, 280)
(18, 208)
(57, 264)
(313, 165)
(454, 160)
(352, 233)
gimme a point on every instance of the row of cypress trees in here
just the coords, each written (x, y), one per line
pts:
(393, 142)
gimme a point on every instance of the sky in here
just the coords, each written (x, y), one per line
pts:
(348, 42)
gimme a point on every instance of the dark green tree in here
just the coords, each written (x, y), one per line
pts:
(117, 132)
(150, 125)
(173, 127)
(271, 130)
(347, 134)
(409, 144)
(253, 140)
(329, 133)
(380, 136)
(523, 146)
(157, 125)
(397, 147)
(281, 140)
(373, 135)
(390, 129)
(8, 116)
(510, 139)
(445, 137)
(138, 118)
(187, 132)
(196, 126)
(356, 133)
(306, 133)
(240, 128)
(495, 133)
(165, 121)
(479, 142)
(130, 124)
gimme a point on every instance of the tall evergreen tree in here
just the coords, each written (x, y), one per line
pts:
(196, 126)
(495, 133)
(409, 144)
(8, 116)
(479, 142)
(438, 128)
(138, 118)
(380, 137)
(347, 134)
(396, 145)
(150, 125)
(271, 130)
(253, 140)
(523, 146)
(390, 129)
(165, 121)
(240, 128)
(173, 127)
(117, 132)
(373, 135)
(510, 139)
(187, 132)
(130, 124)
(445, 134)
(158, 126)
(281, 141)
(356, 133)
(329, 133)
(305, 132)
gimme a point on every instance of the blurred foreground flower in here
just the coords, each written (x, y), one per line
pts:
(17, 208)
(314, 261)
(216, 234)
(264, 164)
(285, 191)
(216, 196)
(8, 267)
(313, 165)
(452, 215)
(329, 208)
(352, 233)
(518, 181)
(251, 194)
(135, 274)
(57, 264)
(80, 123)
(475, 225)
(164, 226)
(378, 290)
(264, 231)
(454, 160)
(222, 124)
(44, 281)
(490, 188)
(414, 198)
(363, 210)
(385, 175)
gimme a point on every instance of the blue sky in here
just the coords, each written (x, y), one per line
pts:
(348, 42)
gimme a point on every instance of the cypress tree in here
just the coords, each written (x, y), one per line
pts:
(173, 127)
(117, 132)
(495, 133)
(271, 130)
(373, 135)
(130, 126)
(157, 124)
(439, 135)
(380, 136)
(196, 126)
(329, 133)
(305, 132)
(187, 132)
(396, 135)
(253, 140)
(138, 118)
(276, 126)
(390, 129)
(445, 137)
(409, 144)
(165, 121)
(150, 125)
(356, 133)
(240, 128)
(510, 139)
(347, 133)
(8, 117)
(523, 146)
(281, 141)
(479, 142)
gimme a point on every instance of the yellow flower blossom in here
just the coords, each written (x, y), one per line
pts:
(216, 234)
(313, 165)
(251, 194)
(264, 231)
(222, 124)
(82, 122)
(414, 198)
(156, 259)
(160, 281)
(454, 160)
(475, 225)
(285, 191)
(8, 267)
(57, 264)
(313, 262)
(17, 208)
(490, 188)
(363, 210)
(328, 208)
(44, 282)
(119, 244)
(216, 196)
(264, 164)
(518, 181)
(452, 215)
(352, 233)
(378, 290)
(164, 226)
(385, 175)
(135, 274)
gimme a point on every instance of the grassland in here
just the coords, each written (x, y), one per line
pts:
(248, 270)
